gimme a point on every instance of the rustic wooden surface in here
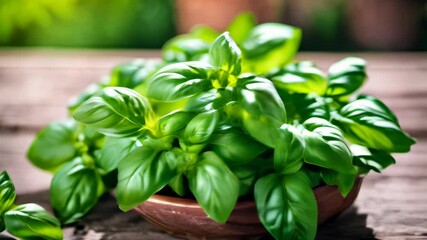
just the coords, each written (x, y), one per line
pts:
(35, 86)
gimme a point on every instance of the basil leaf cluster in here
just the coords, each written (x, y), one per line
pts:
(84, 160)
(26, 221)
(222, 116)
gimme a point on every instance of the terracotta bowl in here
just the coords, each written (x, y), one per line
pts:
(185, 218)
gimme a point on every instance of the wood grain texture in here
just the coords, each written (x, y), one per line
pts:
(35, 86)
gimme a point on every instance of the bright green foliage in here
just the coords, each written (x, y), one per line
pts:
(87, 93)
(178, 185)
(113, 150)
(260, 105)
(346, 76)
(7, 193)
(173, 122)
(325, 146)
(368, 122)
(270, 45)
(74, 190)
(286, 206)
(288, 154)
(54, 145)
(78, 181)
(370, 159)
(225, 54)
(249, 173)
(235, 147)
(219, 198)
(185, 48)
(141, 174)
(345, 182)
(241, 26)
(201, 127)
(30, 221)
(116, 112)
(263, 47)
(300, 77)
(193, 46)
(133, 73)
(27, 221)
(225, 115)
(180, 80)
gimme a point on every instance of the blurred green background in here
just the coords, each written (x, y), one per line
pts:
(328, 25)
(86, 23)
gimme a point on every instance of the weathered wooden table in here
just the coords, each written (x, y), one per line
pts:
(35, 86)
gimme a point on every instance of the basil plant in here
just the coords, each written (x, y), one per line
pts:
(222, 116)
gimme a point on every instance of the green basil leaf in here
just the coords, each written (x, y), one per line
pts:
(313, 174)
(134, 73)
(114, 150)
(74, 191)
(174, 122)
(249, 172)
(158, 144)
(316, 106)
(215, 187)
(142, 173)
(115, 112)
(346, 76)
(7, 193)
(92, 139)
(185, 48)
(235, 147)
(190, 147)
(241, 26)
(193, 46)
(204, 32)
(365, 122)
(289, 150)
(161, 108)
(225, 54)
(54, 145)
(370, 158)
(270, 45)
(181, 80)
(300, 77)
(225, 98)
(304, 106)
(178, 185)
(286, 206)
(247, 178)
(380, 105)
(87, 93)
(325, 146)
(201, 127)
(201, 102)
(261, 106)
(30, 221)
(345, 182)
(2, 226)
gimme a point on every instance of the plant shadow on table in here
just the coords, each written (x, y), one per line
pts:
(348, 225)
(107, 221)
(4, 237)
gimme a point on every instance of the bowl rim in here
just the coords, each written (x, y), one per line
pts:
(192, 202)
